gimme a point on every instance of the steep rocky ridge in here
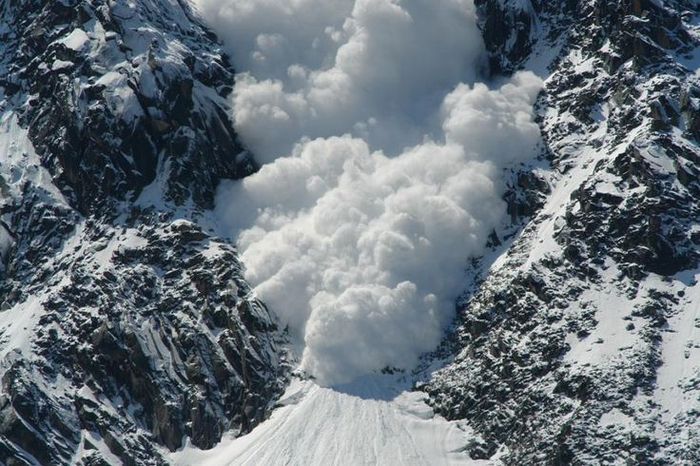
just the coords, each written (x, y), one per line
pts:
(579, 345)
(126, 325)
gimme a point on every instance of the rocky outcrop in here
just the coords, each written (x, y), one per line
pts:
(151, 337)
(127, 328)
(111, 91)
(515, 31)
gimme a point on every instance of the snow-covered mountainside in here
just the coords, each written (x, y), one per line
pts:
(126, 325)
(579, 345)
(128, 334)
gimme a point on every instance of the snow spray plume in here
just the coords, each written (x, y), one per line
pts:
(383, 160)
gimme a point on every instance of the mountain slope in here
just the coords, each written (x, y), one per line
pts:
(126, 323)
(373, 420)
(127, 331)
(578, 346)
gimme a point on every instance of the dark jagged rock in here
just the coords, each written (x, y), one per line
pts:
(148, 88)
(127, 327)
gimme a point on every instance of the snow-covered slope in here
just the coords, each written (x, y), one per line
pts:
(374, 420)
(129, 336)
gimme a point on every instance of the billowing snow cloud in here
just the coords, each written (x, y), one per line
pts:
(383, 163)
(376, 69)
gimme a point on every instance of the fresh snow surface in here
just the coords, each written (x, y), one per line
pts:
(76, 40)
(680, 352)
(19, 164)
(367, 422)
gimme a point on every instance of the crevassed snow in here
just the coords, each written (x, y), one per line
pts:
(374, 423)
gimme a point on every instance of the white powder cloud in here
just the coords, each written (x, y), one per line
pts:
(376, 69)
(383, 165)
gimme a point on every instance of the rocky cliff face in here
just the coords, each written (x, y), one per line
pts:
(578, 345)
(126, 324)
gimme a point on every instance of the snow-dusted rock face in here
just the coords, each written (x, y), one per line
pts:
(579, 345)
(126, 326)
(114, 92)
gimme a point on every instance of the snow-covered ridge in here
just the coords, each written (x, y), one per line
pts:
(572, 350)
(128, 335)
(113, 84)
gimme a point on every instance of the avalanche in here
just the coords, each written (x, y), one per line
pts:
(387, 178)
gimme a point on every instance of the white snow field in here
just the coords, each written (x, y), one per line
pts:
(374, 423)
